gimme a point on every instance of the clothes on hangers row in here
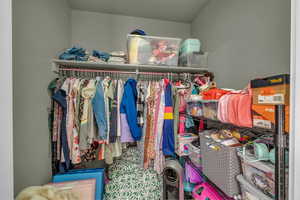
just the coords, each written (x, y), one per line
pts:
(92, 118)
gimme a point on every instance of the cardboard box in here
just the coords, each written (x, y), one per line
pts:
(273, 90)
(264, 117)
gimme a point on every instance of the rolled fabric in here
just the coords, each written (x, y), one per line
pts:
(174, 165)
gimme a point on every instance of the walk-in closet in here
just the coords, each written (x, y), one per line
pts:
(151, 99)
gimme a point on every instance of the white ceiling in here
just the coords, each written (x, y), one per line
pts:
(173, 10)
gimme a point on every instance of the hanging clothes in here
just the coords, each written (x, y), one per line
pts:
(52, 125)
(106, 84)
(168, 127)
(149, 137)
(87, 127)
(60, 98)
(120, 88)
(100, 111)
(91, 118)
(76, 158)
(140, 103)
(128, 107)
(113, 98)
(159, 160)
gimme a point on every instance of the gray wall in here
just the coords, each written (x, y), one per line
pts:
(108, 32)
(40, 29)
(245, 39)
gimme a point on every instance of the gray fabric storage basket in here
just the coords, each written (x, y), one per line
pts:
(248, 189)
(220, 166)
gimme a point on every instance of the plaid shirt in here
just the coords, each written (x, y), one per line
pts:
(140, 103)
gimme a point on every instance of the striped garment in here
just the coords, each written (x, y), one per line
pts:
(168, 127)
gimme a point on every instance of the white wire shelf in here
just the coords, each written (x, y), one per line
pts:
(125, 67)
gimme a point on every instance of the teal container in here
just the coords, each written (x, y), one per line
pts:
(188, 187)
(190, 45)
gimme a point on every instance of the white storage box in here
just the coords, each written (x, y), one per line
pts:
(150, 50)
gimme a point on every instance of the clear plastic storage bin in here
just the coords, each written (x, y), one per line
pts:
(260, 174)
(194, 108)
(195, 155)
(249, 192)
(210, 109)
(149, 50)
(194, 59)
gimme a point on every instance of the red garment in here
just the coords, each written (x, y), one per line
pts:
(213, 94)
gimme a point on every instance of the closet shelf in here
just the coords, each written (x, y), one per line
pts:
(218, 124)
(125, 67)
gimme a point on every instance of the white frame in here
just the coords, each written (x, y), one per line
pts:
(6, 101)
(294, 161)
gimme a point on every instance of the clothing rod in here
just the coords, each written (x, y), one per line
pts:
(122, 72)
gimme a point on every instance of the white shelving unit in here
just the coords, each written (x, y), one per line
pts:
(126, 67)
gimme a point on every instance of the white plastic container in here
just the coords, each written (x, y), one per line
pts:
(150, 50)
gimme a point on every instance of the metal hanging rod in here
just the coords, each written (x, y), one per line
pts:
(58, 64)
(124, 72)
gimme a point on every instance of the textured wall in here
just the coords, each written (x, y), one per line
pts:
(40, 29)
(245, 39)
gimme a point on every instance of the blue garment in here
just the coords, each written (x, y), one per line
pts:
(99, 111)
(102, 55)
(128, 106)
(74, 53)
(138, 32)
(168, 127)
(60, 98)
